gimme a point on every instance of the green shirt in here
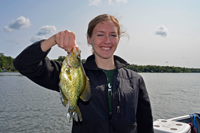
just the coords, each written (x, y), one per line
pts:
(109, 75)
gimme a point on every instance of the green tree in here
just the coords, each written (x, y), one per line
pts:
(61, 58)
(2, 60)
(83, 61)
(146, 69)
(6, 62)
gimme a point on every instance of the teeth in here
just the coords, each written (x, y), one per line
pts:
(105, 48)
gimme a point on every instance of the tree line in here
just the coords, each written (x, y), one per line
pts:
(152, 68)
(6, 64)
(162, 69)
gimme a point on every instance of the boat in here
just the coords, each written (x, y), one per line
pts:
(3, 70)
(182, 124)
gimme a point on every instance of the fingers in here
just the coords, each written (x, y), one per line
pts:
(69, 42)
(66, 40)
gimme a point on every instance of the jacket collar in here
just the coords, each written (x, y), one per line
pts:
(91, 64)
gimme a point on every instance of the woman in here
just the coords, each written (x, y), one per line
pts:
(119, 100)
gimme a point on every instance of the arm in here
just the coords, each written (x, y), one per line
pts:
(32, 62)
(144, 113)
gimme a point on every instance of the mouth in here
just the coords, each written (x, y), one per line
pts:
(106, 48)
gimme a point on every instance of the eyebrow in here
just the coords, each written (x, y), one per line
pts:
(103, 32)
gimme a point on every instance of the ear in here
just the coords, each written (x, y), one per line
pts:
(88, 40)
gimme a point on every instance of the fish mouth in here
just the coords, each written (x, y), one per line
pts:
(76, 51)
(70, 62)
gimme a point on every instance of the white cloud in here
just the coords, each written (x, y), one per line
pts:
(107, 2)
(110, 2)
(19, 23)
(48, 29)
(161, 30)
(7, 29)
(95, 2)
(37, 38)
(45, 30)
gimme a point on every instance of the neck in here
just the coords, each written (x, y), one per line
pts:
(107, 64)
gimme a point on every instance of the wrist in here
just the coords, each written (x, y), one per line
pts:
(47, 44)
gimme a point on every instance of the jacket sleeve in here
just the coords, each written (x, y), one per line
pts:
(32, 63)
(144, 113)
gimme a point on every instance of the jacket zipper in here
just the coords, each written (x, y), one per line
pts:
(117, 90)
(118, 97)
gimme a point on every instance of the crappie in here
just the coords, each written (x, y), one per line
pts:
(73, 84)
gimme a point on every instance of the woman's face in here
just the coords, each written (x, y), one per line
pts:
(104, 39)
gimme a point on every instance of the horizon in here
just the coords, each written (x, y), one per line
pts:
(131, 64)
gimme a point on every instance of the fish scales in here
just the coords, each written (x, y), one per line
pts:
(73, 84)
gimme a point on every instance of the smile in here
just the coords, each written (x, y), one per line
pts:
(106, 48)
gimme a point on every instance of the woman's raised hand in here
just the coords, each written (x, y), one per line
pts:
(64, 39)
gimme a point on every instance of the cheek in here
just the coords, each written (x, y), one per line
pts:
(115, 41)
(96, 41)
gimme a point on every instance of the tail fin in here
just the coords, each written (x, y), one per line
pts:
(74, 114)
(78, 114)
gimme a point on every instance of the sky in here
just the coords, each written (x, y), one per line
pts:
(161, 32)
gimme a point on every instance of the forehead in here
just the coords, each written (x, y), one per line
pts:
(105, 26)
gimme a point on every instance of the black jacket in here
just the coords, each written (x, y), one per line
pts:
(131, 110)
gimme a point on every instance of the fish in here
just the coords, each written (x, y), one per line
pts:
(73, 84)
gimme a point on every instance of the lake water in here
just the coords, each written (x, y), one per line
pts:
(27, 107)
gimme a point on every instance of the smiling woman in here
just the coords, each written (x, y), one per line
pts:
(103, 34)
(119, 100)
(104, 41)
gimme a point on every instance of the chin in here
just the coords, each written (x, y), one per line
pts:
(103, 56)
(106, 57)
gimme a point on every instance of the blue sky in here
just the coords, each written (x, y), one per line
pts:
(161, 32)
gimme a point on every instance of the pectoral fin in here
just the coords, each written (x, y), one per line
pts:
(86, 94)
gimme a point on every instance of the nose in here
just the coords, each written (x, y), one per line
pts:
(107, 40)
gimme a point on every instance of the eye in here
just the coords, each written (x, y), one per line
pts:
(100, 35)
(114, 35)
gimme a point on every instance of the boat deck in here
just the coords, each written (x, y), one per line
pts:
(178, 124)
